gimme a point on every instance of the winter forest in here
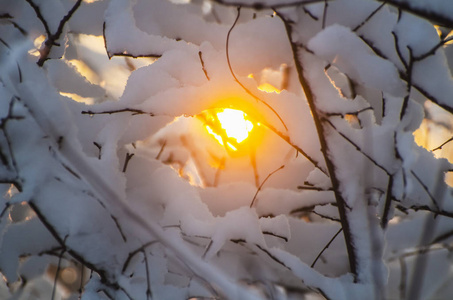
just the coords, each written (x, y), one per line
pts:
(226, 149)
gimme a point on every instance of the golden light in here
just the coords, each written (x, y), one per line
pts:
(235, 124)
(230, 127)
(268, 88)
(37, 43)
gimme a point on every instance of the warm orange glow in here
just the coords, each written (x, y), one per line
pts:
(268, 88)
(37, 43)
(235, 124)
(84, 70)
(229, 127)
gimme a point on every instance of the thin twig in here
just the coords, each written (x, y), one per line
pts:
(324, 14)
(202, 65)
(409, 83)
(388, 201)
(149, 294)
(237, 80)
(115, 111)
(161, 149)
(133, 253)
(358, 148)
(325, 247)
(264, 181)
(40, 16)
(369, 17)
(51, 38)
(443, 144)
(126, 161)
(433, 200)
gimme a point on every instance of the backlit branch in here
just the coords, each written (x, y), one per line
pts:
(237, 80)
(443, 144)
(264, 181)
(51, 37)
(322, 136)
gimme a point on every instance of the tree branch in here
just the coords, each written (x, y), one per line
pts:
(322, 136)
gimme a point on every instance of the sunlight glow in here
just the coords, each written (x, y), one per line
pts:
(235, 124)
(268, 88)
(228, 126)
(37, 43)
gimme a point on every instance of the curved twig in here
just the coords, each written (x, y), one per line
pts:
(262, 183)
(237, 80)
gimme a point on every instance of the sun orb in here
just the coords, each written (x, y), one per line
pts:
(230, 127)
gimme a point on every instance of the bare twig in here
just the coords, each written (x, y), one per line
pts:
(409, 83)
(324, 14)
(149, 294)
(40, 16)
(135, 252)
(433, 200)
(433, 50)
(237, 80)
(369, 17)
(426, 208)
(126, 161)
(51, 38)
(287, 139)
(200, 54)
(161, 149)
(124, 53)
(443, 144)
(264, 181)
(388, 201)
(115, 111)
(325, 247)
(99, 148)
(358, 148)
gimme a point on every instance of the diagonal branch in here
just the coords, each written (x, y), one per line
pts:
(264, 181)
(51, 38)
(325, 247)
(357, 147)
(322, 136)
(443, 144)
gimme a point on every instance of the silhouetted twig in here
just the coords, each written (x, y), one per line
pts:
(115, 111)
(237, 80)
(443, 144)
(51, 38)
(264, 181)
(369, 17)
(200, 54)
(325, 247)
